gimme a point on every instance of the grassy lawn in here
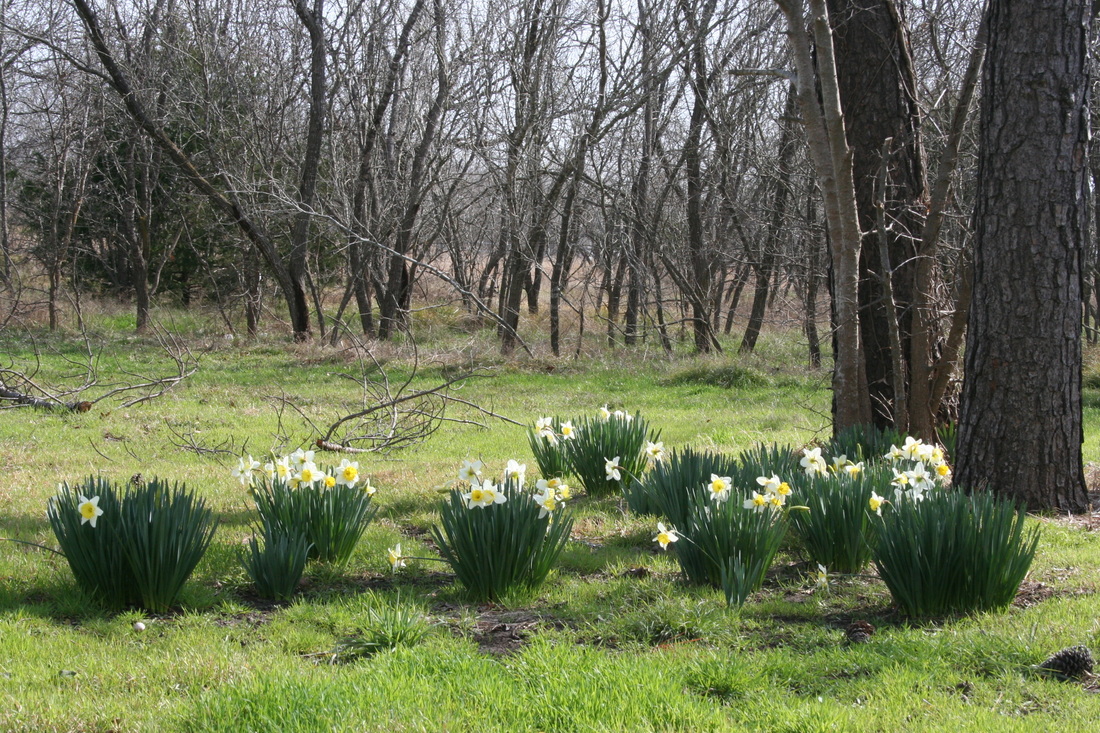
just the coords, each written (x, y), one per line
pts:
(614, 641)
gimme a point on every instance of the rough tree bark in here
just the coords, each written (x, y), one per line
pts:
(1020, 427)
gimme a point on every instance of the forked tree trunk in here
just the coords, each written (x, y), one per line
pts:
(1020, 426)
(832, 158)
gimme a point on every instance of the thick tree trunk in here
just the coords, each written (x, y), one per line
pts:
(1020, 427)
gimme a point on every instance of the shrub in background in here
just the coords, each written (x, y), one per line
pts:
(498, 538)
(550, 446)
(599, 440)
(954, 553)
(140, 548)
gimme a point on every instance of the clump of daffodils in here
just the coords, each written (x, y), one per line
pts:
(775, 494)
(522, 529)
(299, 470)
(918, 467)
(305, 508)
(480, 491)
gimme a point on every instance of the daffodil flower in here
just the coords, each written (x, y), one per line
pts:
(301, 457)
(605, 414)
(854, 469)
(567, 431)
(665, 536)
(244, 469)
(283, 470)
(912, 448)
(894, 454)
(920, 479)
(839, 463)
(821, 578)
(347, 473)
(544, 428)
(328, 481)
(470, 471)
(515, 472)
(611, 467)
(547, 501)
(812, 462)
(397, 560)
(758, 502)
(482, 495)
(89, 509)
(943, 470)
(771, 485)
(308, 474)
(654, 452)
(719, 487)
(876, 503)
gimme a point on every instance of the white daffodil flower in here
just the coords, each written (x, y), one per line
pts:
(665, 536)
(757, 503)
(547, 501)
(89, 510)
(515, 472)
(611, 467)
(876, 503)
(301, 457)
(347, 473)
(719, 487)
(483, 495)
(654, 452)
(397, 560)
(912, 448)
(813, 463)
(470, 471)
(308, 475)
(771, 484)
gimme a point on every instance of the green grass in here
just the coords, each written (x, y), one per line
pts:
(613, 641)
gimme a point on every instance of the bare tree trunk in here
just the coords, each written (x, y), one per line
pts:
(395, 299)
(879, 95)
(924, 404)
(766, 264)
(1020, 426)
(292, 290)
(693, 165)
(832, 158)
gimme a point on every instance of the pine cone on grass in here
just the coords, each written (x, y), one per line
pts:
(1074, 662)
(859, 632)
